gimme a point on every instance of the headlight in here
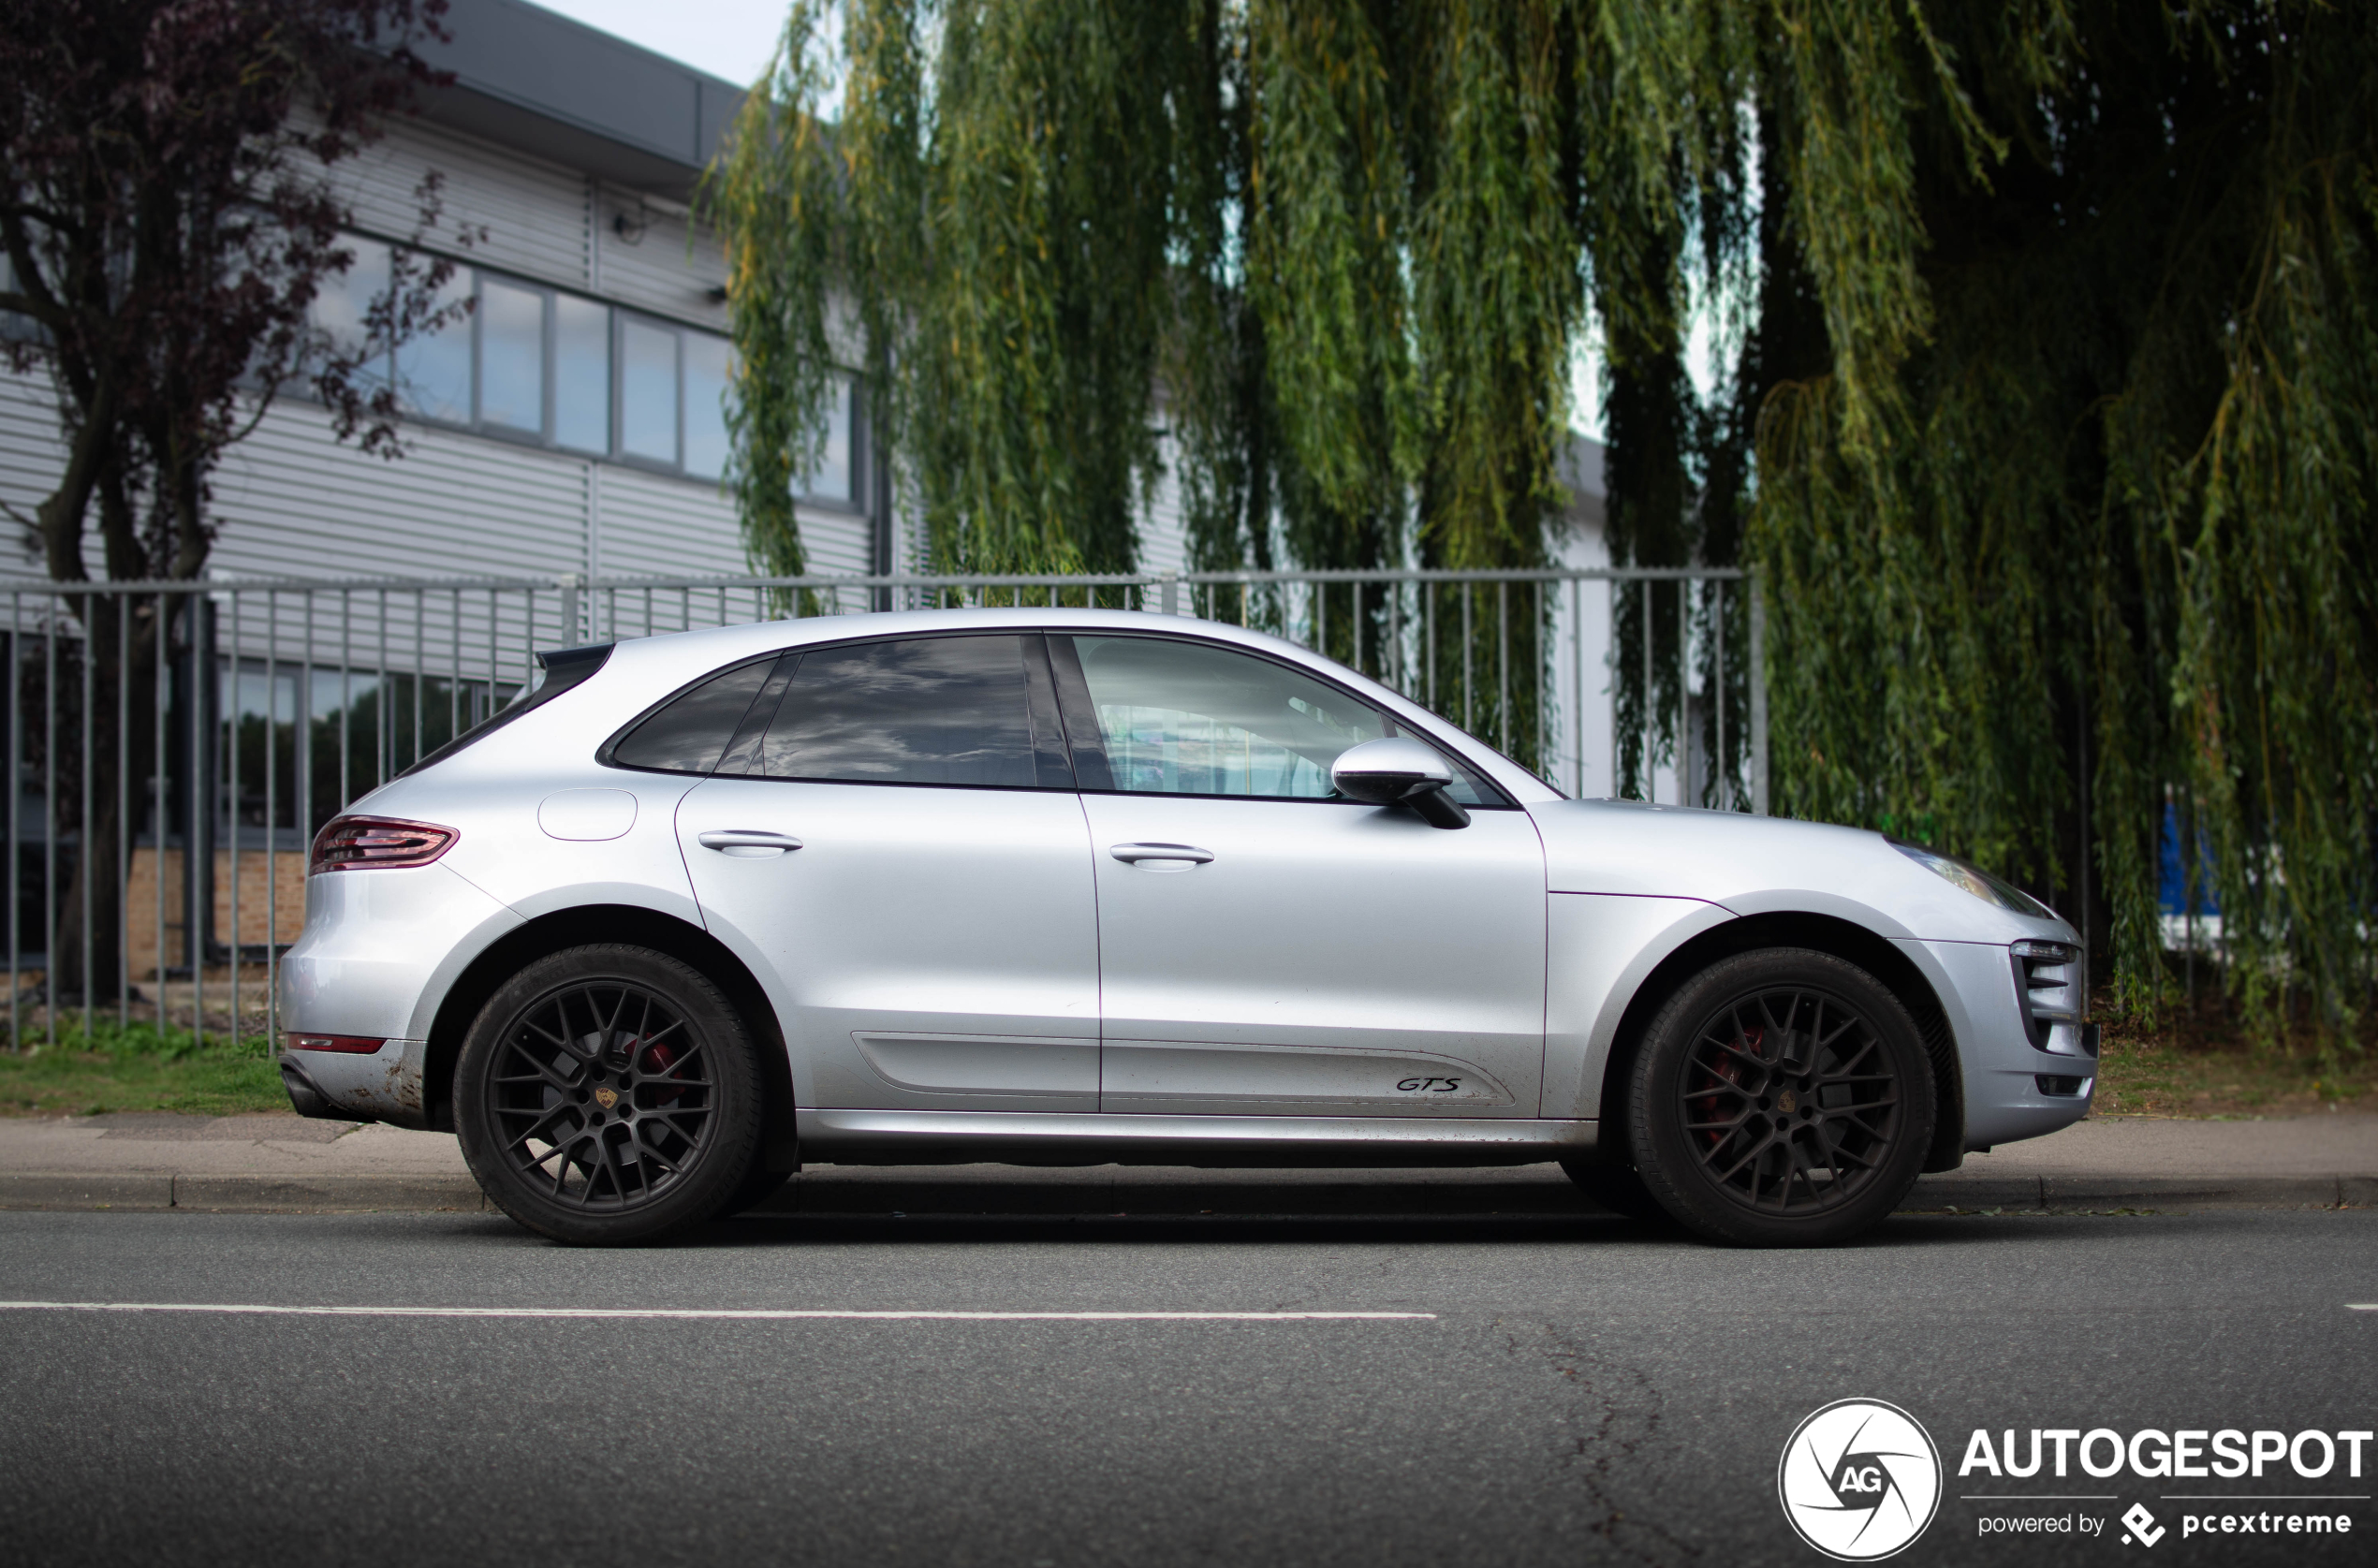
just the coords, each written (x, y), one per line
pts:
(1975, 880)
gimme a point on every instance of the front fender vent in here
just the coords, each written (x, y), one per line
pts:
(2047, 985)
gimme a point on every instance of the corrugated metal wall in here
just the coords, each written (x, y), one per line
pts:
(293, 501)
(526, 216)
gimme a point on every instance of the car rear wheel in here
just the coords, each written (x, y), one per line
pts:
(608, 1095)
(1782, 1098)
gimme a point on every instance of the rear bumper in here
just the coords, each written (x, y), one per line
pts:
(379, 952)
(385, 1085)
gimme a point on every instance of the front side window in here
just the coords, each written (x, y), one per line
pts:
(922, 711)
(1186, 718)
(1175, 717)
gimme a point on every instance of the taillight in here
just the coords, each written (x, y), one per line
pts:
(354, 1044)
(347, 843)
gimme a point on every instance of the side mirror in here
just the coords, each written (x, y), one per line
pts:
(1399, 771)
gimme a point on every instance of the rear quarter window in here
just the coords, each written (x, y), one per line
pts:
(689, 732)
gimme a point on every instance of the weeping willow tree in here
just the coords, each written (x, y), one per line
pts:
(2046, 373)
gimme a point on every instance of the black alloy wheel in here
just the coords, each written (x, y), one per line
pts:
(608, 1094)
(1782, 1098)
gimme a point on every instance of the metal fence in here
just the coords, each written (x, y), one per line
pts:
(175, 745)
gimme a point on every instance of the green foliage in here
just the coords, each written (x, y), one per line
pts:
(2047, 410)
(1002, 240)
(2104, 543)
(136, 1066)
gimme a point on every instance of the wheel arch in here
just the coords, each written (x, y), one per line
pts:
(644, 927)
(1825, 933)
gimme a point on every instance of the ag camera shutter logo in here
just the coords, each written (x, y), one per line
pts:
(1859, 1480)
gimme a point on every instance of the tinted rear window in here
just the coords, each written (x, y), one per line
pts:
(688, 733)
(928, 710)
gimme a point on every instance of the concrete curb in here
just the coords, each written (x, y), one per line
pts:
(2166, 1193)
(1390, 1199)
(236, 1195)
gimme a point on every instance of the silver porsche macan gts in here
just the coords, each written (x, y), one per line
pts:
(1073, 886)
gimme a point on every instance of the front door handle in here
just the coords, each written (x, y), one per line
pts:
(746, 842)
(1161, 856)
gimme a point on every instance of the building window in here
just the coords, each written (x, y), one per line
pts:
(434, 370)
(512, 331)
(537, 365)
(647, 391)
(708, 362)
(837, 476)
(581, 374)
(343, 304)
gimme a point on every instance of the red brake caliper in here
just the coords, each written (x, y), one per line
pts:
(1710, 1107)
(663, 1060)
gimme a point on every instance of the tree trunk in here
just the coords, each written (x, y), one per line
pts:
(98, 973)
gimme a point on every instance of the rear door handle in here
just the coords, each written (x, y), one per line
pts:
(1181, 856)
(746, 842)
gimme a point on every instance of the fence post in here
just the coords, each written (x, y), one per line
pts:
(568, 582)
(1168, 592)
(1758, 699)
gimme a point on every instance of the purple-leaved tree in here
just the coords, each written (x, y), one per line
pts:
(169, 217)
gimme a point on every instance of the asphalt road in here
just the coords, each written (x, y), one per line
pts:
(1586, 1391)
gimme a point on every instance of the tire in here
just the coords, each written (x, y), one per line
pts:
(759, 1184)
(674, 1142)
(1782, 1098)
(1617, 1186)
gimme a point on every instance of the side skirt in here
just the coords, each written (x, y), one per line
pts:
(1087, 1138)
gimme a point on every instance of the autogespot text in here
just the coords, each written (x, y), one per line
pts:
(2224, 1453)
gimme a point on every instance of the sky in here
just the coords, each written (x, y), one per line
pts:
(731, 38)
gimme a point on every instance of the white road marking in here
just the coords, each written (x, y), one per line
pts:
(2361, 1306)
(735, 1314)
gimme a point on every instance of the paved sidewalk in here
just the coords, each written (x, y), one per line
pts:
(282, 1162)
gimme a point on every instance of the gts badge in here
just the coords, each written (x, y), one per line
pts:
(1430, 1086)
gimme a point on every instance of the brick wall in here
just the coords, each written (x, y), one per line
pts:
(256, 877)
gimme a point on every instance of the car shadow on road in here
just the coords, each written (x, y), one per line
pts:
(1595, 1229)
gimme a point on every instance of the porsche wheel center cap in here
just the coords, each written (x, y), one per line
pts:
(607, 1098)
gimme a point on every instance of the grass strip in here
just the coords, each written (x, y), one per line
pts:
(138, 1066)
(2200, 1061)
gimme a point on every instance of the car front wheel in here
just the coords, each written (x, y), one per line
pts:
(1782, 1098)
(608, 1095)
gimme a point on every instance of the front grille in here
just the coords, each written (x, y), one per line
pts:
(2048, 984)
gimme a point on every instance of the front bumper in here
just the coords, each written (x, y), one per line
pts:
(2013, 1090)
